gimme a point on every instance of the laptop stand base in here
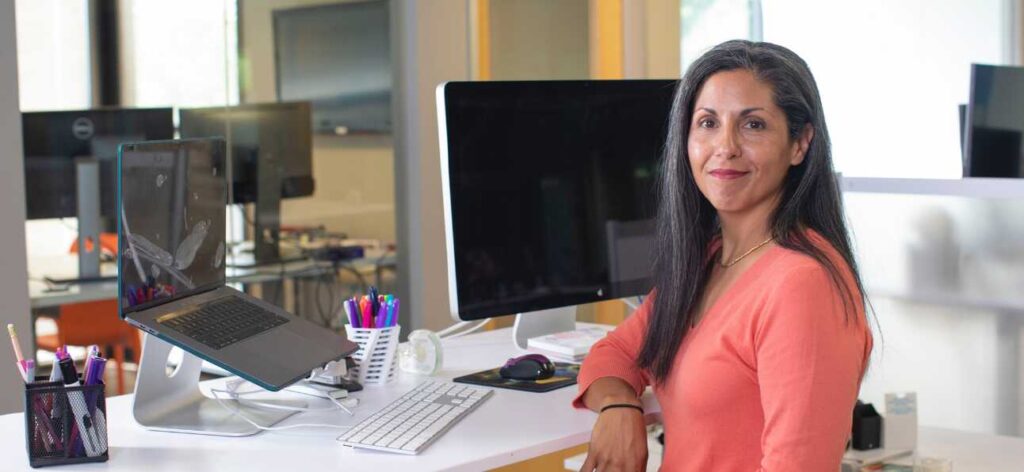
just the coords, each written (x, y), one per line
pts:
(174, 403)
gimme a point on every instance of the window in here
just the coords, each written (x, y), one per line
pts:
(181, 53)
(891, 74)
(53, 54)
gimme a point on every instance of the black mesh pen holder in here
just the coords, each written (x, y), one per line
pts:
(65, 425)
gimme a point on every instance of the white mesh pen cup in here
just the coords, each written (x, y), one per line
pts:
(376, 359)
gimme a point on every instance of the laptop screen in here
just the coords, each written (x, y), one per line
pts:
(172, 200)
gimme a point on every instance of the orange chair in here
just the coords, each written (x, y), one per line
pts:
(82, 324)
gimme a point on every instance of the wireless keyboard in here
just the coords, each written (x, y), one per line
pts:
(408, 425)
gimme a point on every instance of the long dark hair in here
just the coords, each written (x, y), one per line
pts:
(687, 223)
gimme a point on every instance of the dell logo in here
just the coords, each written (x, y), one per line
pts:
(82, 128)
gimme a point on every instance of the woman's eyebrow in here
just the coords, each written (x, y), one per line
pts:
(746, 111)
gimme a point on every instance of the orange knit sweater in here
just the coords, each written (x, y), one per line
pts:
(767, 379)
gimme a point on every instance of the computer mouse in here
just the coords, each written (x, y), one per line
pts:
(528, 367)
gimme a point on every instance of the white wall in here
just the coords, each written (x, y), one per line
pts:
(13, 272)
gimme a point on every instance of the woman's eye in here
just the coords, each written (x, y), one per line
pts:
(755, 124)
(706, 123)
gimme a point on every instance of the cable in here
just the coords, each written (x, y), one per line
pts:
(630, 304)
(452, 328)
(470, 330)
(269, 428)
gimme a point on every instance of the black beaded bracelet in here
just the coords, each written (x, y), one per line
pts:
(622, 405)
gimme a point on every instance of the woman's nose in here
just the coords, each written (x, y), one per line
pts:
(727, 143)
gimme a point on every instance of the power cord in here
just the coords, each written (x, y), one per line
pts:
(233, 394)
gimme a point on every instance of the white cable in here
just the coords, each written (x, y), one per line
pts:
(269, 428)
(470, 330)
(630, 304)
(452, 328)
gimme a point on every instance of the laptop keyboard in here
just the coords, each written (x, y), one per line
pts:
(223, 322)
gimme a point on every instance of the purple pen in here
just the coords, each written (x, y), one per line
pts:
(394, 314)
(353, 312)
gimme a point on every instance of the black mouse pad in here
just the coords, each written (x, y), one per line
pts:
(565, 375)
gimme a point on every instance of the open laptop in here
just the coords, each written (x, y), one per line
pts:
(172, 199)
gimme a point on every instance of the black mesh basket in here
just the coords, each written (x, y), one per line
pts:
(65, 425)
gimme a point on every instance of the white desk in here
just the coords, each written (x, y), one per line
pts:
(970, 452)
(508, 427)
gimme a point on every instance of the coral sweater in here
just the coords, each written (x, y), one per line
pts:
(766, 381)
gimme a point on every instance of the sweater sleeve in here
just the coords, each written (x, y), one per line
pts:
(810, 356)
(616, 355)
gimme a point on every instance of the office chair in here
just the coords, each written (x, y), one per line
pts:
(82, 324)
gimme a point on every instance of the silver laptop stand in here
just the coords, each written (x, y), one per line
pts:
(174, 403)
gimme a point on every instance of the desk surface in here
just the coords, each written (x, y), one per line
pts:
(508, 427)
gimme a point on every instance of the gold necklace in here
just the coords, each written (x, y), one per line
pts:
(745, 254)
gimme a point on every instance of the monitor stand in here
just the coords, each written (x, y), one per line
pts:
(87, 175)
(174, 403)
(543, 322)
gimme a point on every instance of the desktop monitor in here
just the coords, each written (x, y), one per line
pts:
(271, 146)
(278, 133)
(995, 122)
(339, 57)
(549, 191)
(53, 139)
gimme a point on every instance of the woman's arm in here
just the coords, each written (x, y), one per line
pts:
(614, 358)
(810, 357)
(610, 376)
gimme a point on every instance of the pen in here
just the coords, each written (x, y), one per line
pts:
(374, 304)
(364, 306)
(353, 312)
(83, 420)
(394, 314)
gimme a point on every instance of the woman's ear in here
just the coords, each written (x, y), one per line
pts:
(803, 143)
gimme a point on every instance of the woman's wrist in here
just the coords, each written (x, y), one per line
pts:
(618, 400)
(622, 406)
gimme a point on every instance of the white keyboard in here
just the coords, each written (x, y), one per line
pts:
(408, 425)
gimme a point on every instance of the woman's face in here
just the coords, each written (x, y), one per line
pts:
(739, 144)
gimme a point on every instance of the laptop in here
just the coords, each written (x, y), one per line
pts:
(172, 210)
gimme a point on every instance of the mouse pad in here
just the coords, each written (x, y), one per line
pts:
(565, 375)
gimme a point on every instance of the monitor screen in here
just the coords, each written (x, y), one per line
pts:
(338, 56)
(995, 122)
(53, 139)
(550, 191)
(277, 133)
(173, 198)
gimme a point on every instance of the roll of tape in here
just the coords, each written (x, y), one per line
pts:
(422, 354)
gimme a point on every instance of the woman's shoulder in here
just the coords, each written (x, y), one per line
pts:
(792, 263)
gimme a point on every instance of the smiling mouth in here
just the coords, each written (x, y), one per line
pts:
(727, 174)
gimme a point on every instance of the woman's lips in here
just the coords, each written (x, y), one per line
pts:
(727, 174)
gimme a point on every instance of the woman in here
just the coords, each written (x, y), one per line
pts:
(754, 337)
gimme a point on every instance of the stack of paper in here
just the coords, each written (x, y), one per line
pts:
(567, 346)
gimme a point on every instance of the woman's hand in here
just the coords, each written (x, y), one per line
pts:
(618, 442)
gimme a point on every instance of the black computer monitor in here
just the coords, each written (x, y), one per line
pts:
(280, 133)
(271, 146)
(995, 122)
(549, 191)
(339, 57)
(53, 139)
